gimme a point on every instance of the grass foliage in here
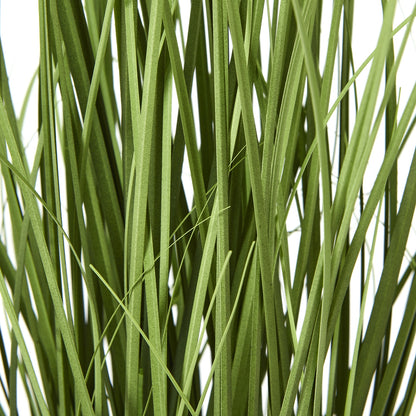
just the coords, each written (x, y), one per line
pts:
(270, 292)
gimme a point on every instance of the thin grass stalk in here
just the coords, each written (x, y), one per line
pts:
(222, 379)
(390, 201)
(344, 132)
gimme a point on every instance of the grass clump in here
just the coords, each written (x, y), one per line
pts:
(274, 287)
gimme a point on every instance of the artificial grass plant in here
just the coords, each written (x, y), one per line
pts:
(264, 292)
